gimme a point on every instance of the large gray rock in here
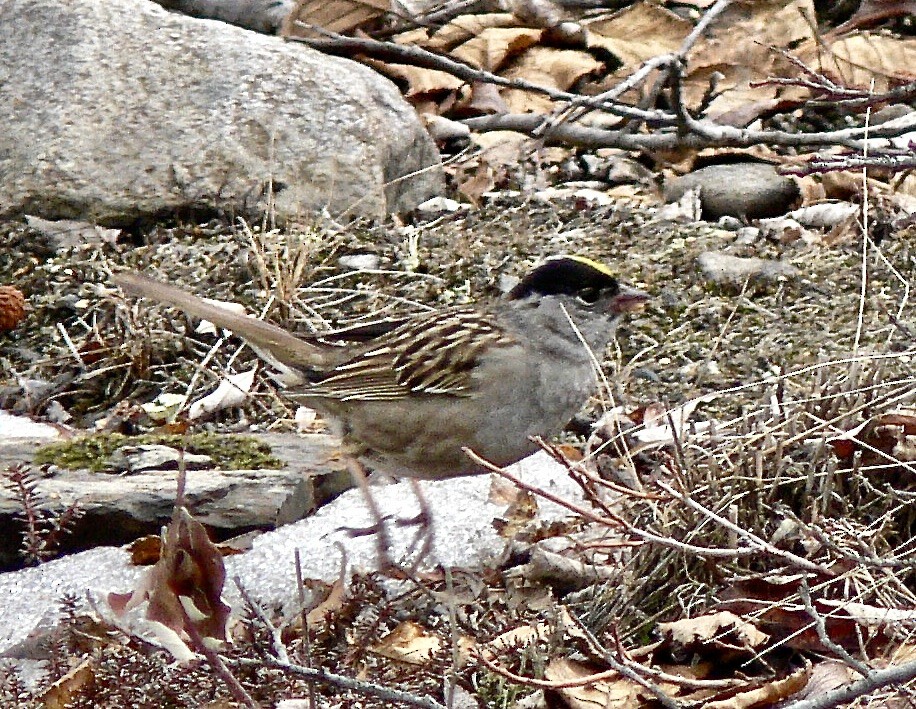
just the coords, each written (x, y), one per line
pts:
(117, 110)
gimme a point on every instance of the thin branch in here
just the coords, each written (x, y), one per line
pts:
(663, 698)
(707, 552)
(755, 541)
(693, 133)
(835, 163)
(417, 56)
(899, 674)
(821, 627)
(216, 662)
(705, 134)
(368, 689)
(708, 18)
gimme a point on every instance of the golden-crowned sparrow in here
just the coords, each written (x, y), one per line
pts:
(408, 401)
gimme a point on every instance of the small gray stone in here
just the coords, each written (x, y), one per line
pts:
(725, 268)
(730, 223)
(742, 190)
(140, 459)
(747, 235)
(360, 262)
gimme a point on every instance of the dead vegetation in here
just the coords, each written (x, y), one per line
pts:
(748, 537)
(784, 497)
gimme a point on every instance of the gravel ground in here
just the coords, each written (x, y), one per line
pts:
(696, 337)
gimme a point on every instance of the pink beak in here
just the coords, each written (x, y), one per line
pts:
(629, 300)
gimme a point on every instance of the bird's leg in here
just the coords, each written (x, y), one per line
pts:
(383, 540)
(423, 520)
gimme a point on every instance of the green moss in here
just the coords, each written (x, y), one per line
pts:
(227, 452)
(496, 692)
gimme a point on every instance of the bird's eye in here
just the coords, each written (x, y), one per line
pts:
(589, 296)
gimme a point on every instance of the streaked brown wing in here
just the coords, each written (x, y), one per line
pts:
(430, 355)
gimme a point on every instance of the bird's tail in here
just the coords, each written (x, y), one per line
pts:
(272, 343)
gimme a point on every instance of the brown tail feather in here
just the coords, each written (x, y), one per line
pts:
(263, 336)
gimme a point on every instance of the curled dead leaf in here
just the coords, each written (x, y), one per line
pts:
(409, 642)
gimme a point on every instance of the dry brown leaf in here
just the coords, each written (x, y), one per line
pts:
(904, 194)
(418, 37)
(552, 68)
(410, 643)
(772, 601)
(527, 634)
(847, 185)
(619, 693)
(486, 99)
(870, 616)
(495, 45)
(903, 654)
(464, 27)
(740, 51)
(762, 14)
(716, 629)
(883, 440)
(513, 639)
(857, 59)
(334, 15)
(185, 584)
(522, 510)
(811, 189)
(766, 695)
(501, 147)
(62, 693)
(637, 33)
(540, 13)
(419, 81)
(317, 617)
(483, 180)
(826, 676)
(502, 492)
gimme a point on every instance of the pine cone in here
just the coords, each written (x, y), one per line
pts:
(12, 307)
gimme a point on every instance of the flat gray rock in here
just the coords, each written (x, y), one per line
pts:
(119, 110)
(118, 508)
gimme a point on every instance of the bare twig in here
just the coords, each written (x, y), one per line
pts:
(821, 627)
(304, 619)
(905, 160)
(558, 130)
(898, 674)
(706, 552)
(368, 689)
(664, 699)
(417, 56)
(751, 538)
(216, 661)
(704, 134)
(276, 640)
